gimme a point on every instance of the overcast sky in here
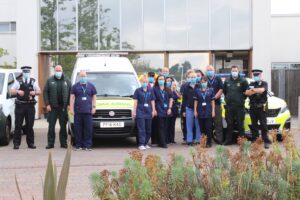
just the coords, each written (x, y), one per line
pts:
(285, 6)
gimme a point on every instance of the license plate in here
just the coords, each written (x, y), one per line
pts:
(271, 121)
(112, 125)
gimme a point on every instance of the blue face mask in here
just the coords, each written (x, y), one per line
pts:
(210, 73)
(166, 75)
(188, 80)
(193, 80)
(151, 79)
(204, 85)
(198, 79)
(161, 82)
(83, 80)
(58, 74)
(169, 84)
(144, 85)
(256, 78)
(26, 75)
(234, 74)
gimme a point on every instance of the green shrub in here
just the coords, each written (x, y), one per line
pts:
(249, 174)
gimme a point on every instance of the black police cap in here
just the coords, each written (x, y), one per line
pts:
(151, 74)
(26, 68)
(257, 71)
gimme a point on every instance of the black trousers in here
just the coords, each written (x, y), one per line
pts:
(183, 126)
(206, 128)
(154, 131)
(22, 111)
(234, 115)
(171, 129)
(162, 130)
(62, 115)
(259, 115)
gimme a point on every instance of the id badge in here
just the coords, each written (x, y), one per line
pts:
(204, 104)
(146, 105)
(165, 105)
(84, 98)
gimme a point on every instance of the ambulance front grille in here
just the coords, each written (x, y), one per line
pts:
(112, 114)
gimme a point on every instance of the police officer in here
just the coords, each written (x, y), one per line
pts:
(83, 106)
(257, 93)
(56, 97)
(25, 89)
(234, 90)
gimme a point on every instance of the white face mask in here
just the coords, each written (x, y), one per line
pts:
(26, 75)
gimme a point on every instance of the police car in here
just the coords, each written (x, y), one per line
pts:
(7, 104)
(115, 80)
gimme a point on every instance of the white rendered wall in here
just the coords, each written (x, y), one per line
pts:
(27, 36)
(261, 37)
(8, 13)
(286, 38)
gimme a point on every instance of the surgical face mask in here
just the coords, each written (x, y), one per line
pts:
(166, 75)
(234, 74)
(256, 78)
(210, 73)
(198, 79)
(144, 85)
(169, 84)
(58, 74)
(151, 79)
(26, 75)
(161, 82)
(83, 80)
(193, 80)
(188, 80)
(204, 85)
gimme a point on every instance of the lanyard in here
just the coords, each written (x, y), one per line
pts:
(204, 95)
(84, 90)
(211, 82)
(145, 96)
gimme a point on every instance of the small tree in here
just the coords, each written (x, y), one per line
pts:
(3, 52)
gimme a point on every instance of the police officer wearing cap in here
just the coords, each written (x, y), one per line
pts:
(25, 89)
(257, 93)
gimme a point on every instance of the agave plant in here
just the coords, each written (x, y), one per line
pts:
(52, 190)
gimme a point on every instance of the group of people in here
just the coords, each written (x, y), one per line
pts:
(59, 97)
(156, 107)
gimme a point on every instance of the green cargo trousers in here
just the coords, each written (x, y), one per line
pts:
(62, 115)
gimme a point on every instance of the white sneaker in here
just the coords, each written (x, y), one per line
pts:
(78, 149)
(142, 148)
(147, 147)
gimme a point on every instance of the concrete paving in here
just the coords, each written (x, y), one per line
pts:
(30, 165)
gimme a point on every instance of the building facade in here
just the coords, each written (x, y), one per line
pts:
(179, 34)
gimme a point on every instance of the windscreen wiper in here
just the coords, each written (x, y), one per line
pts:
(130, 95)
(108, 95)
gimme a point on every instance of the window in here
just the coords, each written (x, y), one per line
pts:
(144, 63)
(285, 66)
(2, 76)
(7, 27)
(181, 62)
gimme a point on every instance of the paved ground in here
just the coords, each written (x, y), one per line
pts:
(29, 165)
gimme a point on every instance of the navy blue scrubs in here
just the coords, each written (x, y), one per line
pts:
(144, 113)
(162, 104)
(172, 119)
(204, 109)
(83, 121)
